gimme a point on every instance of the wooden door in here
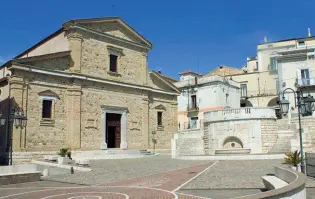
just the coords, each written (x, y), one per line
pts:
(117, 136)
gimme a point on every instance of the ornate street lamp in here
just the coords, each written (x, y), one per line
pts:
(309, 104)
(305, 108)
(284, 106)
(15, 117)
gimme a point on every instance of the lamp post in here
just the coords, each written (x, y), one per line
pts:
(304, 108)
(15, 116)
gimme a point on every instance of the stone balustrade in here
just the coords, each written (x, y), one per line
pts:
(239, 114)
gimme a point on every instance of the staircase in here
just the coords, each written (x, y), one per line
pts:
(283, 143)
(286, 133)
(110, 154)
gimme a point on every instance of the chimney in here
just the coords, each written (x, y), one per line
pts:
(309, 32)
(265, 39)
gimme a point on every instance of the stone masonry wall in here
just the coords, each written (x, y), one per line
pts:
(59, 63)
(95, 95)
(165, 133)
(40, 136)
(269, 134)
(95, 60)
(308, 126)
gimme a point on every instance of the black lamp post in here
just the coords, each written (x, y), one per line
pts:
(15, 116)
(305, 108)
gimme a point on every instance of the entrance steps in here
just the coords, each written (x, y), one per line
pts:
(110, 154)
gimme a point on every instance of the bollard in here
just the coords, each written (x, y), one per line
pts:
(72, 170)
(45, 172)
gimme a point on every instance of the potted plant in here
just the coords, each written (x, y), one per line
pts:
(64, 156)
(293, 159)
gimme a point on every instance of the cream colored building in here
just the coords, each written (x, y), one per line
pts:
(87, 87)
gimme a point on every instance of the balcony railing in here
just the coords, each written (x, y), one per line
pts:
(239, 114)
(189, 125)
(192, 107)
(305, 81)
(261, 93)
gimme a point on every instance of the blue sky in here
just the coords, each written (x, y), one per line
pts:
(184, 33)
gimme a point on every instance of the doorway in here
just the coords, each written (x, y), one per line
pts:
(113, 130)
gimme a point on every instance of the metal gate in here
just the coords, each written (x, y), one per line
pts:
(310, 164)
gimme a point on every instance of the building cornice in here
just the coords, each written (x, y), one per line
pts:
(28, 68)
(109, 36)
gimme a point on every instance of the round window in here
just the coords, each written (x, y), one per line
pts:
(232, 144)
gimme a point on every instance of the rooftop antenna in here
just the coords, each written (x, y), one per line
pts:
(113, 6)
(265, 39)
(309, 32)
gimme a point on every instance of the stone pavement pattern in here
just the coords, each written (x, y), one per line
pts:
(162, 185)
(235, 174)
(104, 171)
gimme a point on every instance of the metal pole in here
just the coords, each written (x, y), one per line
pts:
(9, 134)
(300, 133)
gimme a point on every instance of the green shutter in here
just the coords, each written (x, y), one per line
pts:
(273, 64)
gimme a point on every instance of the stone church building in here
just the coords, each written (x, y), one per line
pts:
(87, 87)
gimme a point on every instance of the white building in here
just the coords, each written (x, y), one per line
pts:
(201, 94)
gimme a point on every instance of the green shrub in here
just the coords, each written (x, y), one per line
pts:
(65, 152)
(293, 158)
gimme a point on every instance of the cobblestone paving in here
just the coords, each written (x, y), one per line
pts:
(235, 174)
(104, 171)
(156, 186)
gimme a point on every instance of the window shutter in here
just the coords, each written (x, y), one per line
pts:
(298, 75)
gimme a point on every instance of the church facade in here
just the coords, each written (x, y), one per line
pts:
(87, 87)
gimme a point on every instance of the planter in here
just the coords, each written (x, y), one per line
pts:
(63, 160)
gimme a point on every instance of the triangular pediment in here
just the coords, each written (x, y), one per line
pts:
(160, 107)
(113, 26)
(48, 93)
(157, 81)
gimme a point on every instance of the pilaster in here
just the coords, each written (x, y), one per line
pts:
(145, 121)
(74, 94)
(144, 68)
(17, 91)
(75, 45)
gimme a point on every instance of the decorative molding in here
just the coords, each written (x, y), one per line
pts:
(28, 68)
(48, 94)
(160, 107)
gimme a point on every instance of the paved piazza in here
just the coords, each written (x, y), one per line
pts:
(149, 178)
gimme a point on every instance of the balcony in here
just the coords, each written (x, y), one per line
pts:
(304, 82)
(192, 110)
(239, 114)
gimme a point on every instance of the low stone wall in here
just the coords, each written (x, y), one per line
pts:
(295, 188)
(26, 157)
(188, 142)
(19, 174)
(269, 134)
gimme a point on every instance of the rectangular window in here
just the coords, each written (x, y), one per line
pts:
(193, 101)
(159, 115)
(273, 63)
(256, 67)
(113, 63)
(46, 110)
(305, 76)
(301, 43)
(193, 122)
(243, 90)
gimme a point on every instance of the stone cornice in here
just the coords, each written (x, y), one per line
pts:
(110, 36)
(28, 68)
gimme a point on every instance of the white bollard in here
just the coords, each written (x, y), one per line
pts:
(45, 172)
